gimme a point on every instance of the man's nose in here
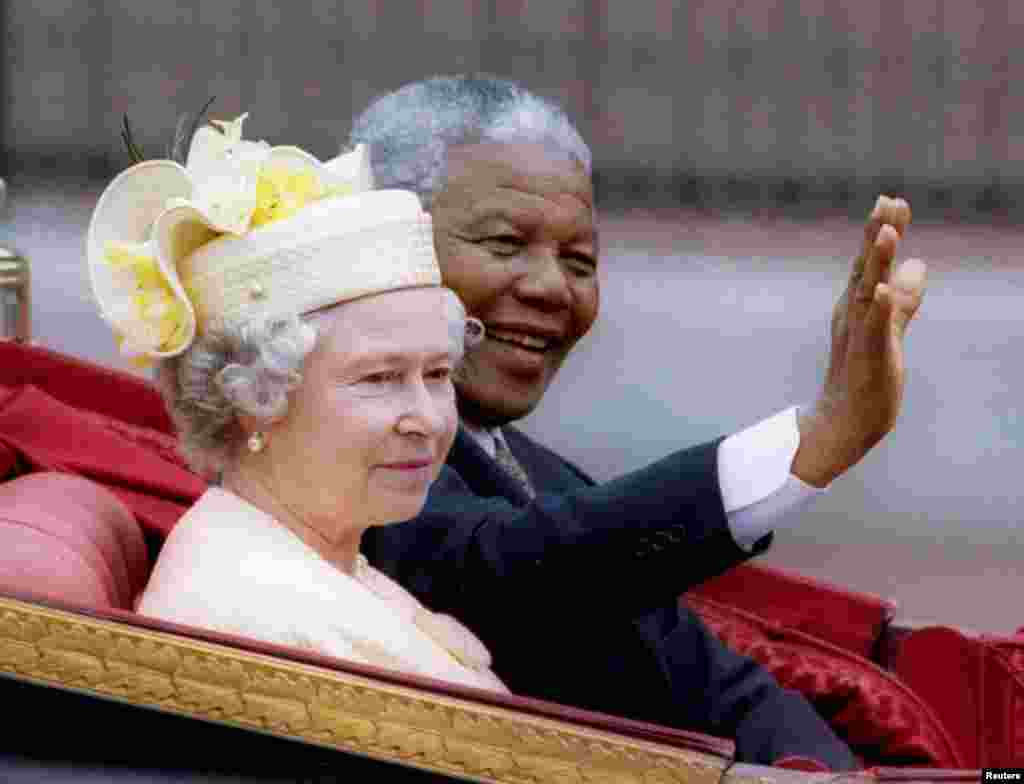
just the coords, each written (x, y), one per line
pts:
(545, 281)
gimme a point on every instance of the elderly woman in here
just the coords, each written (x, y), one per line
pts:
(305, 348)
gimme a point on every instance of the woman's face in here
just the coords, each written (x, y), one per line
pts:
(369, 428)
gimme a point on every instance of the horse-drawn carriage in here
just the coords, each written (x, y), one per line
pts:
(91, 482)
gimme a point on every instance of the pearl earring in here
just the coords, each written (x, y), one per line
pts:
(257, 441)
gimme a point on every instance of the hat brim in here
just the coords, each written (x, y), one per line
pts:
(178, 232)
(125, 213)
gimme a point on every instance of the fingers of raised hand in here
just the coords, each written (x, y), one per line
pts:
(905, 291)
(887, 211)
(896, 302)
(894, 212)
(877, 265)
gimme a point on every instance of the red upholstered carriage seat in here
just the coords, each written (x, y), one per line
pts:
(976, 684)
(882, 719)
(852, 620)
(68, 537)
(91, 474)
(58, 413)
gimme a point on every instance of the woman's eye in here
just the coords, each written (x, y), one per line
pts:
(381, 378)
(440, 374)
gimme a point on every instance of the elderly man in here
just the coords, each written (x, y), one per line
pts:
(574, 586)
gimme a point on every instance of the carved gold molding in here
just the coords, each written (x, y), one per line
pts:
(339, 710)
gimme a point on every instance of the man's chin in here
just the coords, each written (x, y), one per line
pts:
(491, 395)
(496, 411)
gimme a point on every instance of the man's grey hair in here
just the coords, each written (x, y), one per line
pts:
(409, 131)
(248, 369)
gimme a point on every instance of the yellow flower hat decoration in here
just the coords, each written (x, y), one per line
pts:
(156, 213)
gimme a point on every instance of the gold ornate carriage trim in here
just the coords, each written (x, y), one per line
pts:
(335, 709)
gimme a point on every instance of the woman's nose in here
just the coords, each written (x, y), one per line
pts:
(423, 412)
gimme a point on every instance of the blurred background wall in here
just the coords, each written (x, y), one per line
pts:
(708, 100)
(738, 145)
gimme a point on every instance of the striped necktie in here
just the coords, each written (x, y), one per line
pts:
(504, 457)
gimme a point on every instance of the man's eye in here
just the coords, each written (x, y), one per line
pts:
(581, 264)
(503, 245)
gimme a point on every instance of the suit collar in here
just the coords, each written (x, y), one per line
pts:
(484, 437)
(484, 476)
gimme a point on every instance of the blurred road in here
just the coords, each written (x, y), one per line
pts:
(711, 323)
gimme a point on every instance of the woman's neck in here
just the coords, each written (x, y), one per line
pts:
(334, 540)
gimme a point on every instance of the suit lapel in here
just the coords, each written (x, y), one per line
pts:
(484, 476)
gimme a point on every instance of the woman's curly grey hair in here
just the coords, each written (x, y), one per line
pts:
(410, 130)
(249, 368)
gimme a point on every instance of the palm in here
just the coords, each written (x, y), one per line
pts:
(864, 385)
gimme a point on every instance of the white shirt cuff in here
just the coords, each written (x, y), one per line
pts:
(759, 492)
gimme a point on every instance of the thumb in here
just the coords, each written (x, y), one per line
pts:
(905, 291)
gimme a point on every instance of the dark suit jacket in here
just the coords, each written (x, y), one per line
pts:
(575, 593)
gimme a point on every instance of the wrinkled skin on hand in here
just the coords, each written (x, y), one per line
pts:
(863, 388)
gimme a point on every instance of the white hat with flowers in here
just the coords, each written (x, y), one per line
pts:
(244, 230)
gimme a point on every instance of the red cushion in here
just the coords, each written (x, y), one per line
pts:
(84, 385)
(849, 619)
(883, 721)
(8, 456)
(8, 460)
(1005, 682)
(138, 464)
(975, 684)
(67, 537)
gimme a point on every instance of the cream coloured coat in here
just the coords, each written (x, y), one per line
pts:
(230, 567)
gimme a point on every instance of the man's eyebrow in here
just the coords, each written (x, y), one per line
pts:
(523, 219)
(496, 214)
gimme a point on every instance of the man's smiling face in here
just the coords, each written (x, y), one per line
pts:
(516, 239)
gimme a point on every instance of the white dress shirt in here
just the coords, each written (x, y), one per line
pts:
(759, 492)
